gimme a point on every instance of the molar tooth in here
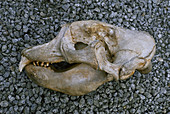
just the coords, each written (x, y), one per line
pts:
(37, 63)
(42, 64)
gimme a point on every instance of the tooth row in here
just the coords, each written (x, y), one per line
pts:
(42, 64)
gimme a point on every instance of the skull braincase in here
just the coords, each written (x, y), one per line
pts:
(117, 51)
(96, 48)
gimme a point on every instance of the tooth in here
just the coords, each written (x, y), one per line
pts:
(34, 64)
(24, 61)
(42, 64)
(37, 63)
(47, 64)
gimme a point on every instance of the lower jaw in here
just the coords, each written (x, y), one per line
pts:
(78, 80)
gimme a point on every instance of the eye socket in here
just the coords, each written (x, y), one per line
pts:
(80, 45)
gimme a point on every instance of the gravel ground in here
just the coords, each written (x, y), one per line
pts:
(29, 23)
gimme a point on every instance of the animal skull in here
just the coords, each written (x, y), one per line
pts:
(92, 53)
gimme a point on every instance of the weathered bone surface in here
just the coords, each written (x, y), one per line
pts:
(98, 52)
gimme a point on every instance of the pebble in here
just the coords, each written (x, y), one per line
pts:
(25, 28)
(141, 90)
(18, 27)
(148, 95)
(26, 38)
(6, 75)
(142, 96)
(4, 103)
(4, 48)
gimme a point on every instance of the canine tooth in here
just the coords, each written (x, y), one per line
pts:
(42, 64)
(34, 64)
(24, 61)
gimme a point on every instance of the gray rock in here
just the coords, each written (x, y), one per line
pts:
(4, 48)
(4, 103)
(6, 75)
(26, 38)
(97, 10)
(25, 28)
(142, 96)
(1, 78)
(148, 95)
(141, 90)
(18, 27)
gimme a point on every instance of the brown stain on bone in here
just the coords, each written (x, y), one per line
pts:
(95, 30)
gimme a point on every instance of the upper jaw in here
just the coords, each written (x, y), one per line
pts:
(42, 53)
(48, 52)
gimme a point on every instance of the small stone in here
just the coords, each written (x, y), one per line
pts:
(141, 90)
(16, 107)
(89, 101)
(38, 100)
(1, 78)
(4, 48)
(163, 90)
(100, 16)
(97, 10)
(38, 112)
(65, 7)
(33, 107)
(26, 38)
(133, 86)
(132, 28)
(47, 100)
(42, 14)
(32, 17)
(13, 60)
(89, 1)
(52, 1)
(113, 14)
(6, 75)
(123, 85)
(148, 95)
(26, 110)
(18, 27)
(155, 79)
(132, 110)
(142, 97)
(160, 100)
(11, 98)
(4, 103)
(159, 35)
(25, 28)
(17, 34)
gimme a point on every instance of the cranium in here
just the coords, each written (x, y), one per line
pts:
(92, 53)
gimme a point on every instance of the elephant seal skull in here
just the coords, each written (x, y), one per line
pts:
(86, 54)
